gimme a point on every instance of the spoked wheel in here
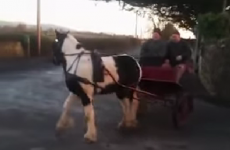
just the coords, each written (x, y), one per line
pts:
(182, 108)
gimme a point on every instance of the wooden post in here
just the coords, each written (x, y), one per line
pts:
(136, 25)
(28, 46)
(196, 49)
(38, 28)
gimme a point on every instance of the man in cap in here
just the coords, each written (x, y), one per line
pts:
(178, 54)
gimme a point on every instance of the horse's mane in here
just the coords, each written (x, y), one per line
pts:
(72, 38)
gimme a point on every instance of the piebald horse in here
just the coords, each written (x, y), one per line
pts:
(80, 68)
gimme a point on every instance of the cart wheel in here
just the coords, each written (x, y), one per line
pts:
(181, 110)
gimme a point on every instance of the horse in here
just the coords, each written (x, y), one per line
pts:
(88, 74)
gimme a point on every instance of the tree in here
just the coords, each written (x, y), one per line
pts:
(168, 30)
(6, 29)
(21, 27)
(156, 23)
(183, 12)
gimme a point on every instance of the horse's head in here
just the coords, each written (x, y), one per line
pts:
(64, 44)
(58, 55)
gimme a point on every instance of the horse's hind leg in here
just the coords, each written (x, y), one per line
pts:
(133, 109)
(123, 95)
(65, 120)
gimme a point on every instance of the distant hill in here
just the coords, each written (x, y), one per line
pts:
(6, 23)
(45, 27)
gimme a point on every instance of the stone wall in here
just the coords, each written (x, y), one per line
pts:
(11, 49)
(215, 67)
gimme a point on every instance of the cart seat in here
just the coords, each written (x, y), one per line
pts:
(164, 74)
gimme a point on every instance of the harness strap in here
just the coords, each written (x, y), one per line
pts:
(81, 79)
(77, 58)
(86, 81)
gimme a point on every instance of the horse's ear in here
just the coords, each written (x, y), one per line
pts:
(56, 31)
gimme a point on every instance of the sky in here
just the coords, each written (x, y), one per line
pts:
(81, 15)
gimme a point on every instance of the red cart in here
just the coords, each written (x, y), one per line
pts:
(160, 84)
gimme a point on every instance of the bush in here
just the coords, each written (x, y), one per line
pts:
(214, 26)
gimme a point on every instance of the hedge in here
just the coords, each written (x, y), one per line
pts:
(110, 44)
(22, 37)
(214, 26)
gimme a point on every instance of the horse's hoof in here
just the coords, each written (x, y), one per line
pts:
(128, 126)
(66, 124)
(134, 124)
(121, 125)
(69, 123)
(90, 138)
(59, 132)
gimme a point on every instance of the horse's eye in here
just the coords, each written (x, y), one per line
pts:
(78, 46)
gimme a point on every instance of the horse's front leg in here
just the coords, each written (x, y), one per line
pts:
(87, 98)
(91, 133)
(66, 121)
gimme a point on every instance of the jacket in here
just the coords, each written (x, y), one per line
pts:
(153, 53)
(153, 48)
(175, 49)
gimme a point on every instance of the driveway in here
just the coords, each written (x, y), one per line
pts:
(31, 102)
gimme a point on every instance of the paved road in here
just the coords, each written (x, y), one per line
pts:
(31, 101)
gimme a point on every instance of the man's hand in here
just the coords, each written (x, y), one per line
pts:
(181, 66)
(166, 64)
(179, 58)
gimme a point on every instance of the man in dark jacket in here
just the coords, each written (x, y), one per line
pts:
(178, 53)
(153, 51)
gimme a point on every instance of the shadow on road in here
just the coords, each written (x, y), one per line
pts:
(22, 64)
(31, 101)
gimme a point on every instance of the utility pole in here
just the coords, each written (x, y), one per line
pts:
(141, 34)
(136, 25)
(196, 50)
(38, 28)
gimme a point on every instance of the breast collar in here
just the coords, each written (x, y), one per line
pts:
(77, 59)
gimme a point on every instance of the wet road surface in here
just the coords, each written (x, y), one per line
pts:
(31, 102)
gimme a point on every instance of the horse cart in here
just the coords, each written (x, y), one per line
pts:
(159, 84)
